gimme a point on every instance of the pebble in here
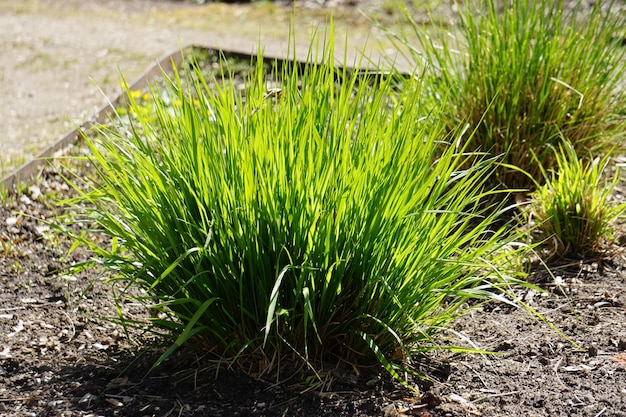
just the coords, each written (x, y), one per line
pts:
(55, 403)
(85, 400)
(25, 200)
(11, 221)
(35, 192)
(390, 411)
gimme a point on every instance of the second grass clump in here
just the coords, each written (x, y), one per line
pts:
(320, 221)
(574, 209)
(526, 75)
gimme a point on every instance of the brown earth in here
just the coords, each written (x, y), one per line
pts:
(60, 356)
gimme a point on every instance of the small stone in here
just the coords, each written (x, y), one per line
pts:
(504, 346)
(431, 399)
(42, 229)
(55, 403)
(344, 377)
(372, 382)
(390, 411)
(11, 221)
(25, 200)
(35, 192)
(100, 346)
(85, 400)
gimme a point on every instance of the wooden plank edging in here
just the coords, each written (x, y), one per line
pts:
(164, 65)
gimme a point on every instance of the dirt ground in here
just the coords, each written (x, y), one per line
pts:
(59, 356)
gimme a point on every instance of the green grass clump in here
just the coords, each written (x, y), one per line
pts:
(321, 221)
(527, 75)
(574, 211)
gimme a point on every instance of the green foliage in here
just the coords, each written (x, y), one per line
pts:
(527, 75)
(318, 221)
(574, 210)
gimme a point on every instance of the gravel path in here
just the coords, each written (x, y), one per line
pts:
(56, 55)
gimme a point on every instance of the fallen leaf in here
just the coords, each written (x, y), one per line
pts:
(114, 402)
(620, 359)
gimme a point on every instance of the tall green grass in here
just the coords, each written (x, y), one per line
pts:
(526, 75)
(575, 210)
(321, 222)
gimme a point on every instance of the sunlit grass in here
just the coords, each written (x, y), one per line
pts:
(527, 76)
(574, 210)
(320, 221)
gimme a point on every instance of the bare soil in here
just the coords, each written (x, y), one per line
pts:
(61, 356)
